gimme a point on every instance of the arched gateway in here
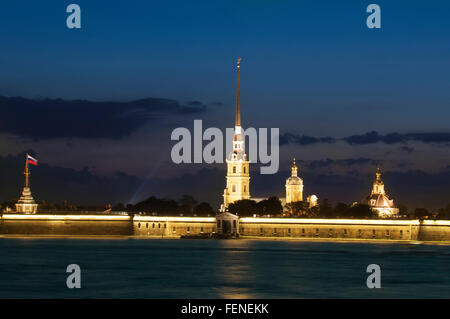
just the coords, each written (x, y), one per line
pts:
(227, 224)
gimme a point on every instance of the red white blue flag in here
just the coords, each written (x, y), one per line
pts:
(31, 160)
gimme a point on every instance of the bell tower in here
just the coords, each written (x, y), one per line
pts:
(238, 174)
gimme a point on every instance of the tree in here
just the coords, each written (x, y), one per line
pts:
(204, 209)
(421, 213)
(341, 209)
(444, 213)
(243, 207)
(360, 211)
(325, 209)
(298, 208)
(402, 209)
(271, 206)
(156, 205)
(187, 204)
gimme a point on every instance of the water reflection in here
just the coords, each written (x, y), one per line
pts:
(235, 272)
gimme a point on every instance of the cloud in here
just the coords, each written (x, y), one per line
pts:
(369, 138)
(57, 118)
(288, 138)
(341, 162)
(393, 138)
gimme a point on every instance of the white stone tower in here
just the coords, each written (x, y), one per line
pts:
(294, 186)
(238, 175)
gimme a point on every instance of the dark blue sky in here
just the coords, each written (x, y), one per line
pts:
(317, 56)
(309, 67)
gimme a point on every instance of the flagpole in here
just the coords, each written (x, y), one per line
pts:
(27, 172)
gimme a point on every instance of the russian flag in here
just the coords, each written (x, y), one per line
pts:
(31, 160)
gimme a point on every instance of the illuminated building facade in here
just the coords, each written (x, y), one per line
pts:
(294, 186)
(378, 199)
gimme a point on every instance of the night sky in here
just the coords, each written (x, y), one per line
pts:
(97, 105)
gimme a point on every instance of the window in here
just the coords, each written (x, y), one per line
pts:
(303, 231)
(139, 225)
(289, 231)
(153, 226)
(159, 225)
(146, 225)
(234, 169)
(345, 232)
(261, 231)
(359, 233)
(245, 170)
(188, 229)
(234, 188)
(201, 230)
(174, 229)
(388, 233)
(165, 225)
(401, 233)
(245, 188)
(234, 224)
(275, 231)
(374, 233)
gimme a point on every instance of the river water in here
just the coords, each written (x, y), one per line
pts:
(137, 268)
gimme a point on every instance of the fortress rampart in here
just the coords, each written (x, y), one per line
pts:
(247, 227)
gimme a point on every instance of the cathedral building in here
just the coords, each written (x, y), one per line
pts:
(238, 173)
(378, 199)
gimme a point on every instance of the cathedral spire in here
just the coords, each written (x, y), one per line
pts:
(238, 97)
(378, 174)
(294, 168)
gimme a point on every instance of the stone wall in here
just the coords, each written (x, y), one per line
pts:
(76, 225)
(150, 226)
(329, 228)
(438, 230)
(175, 227)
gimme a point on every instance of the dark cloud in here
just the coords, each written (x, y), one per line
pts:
(369, 138)
(341, 162)
(56, 118)
(393, 138)
(407, 149)
(288, 138)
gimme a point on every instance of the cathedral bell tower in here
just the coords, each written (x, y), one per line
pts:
(238, 175)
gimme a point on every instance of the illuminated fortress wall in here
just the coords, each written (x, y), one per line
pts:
(75, 225)
(329, 228)
(438, 230)
(175, 227)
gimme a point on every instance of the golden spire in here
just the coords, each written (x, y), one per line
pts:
(378, 174)
(294, 168)
(238, 97)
